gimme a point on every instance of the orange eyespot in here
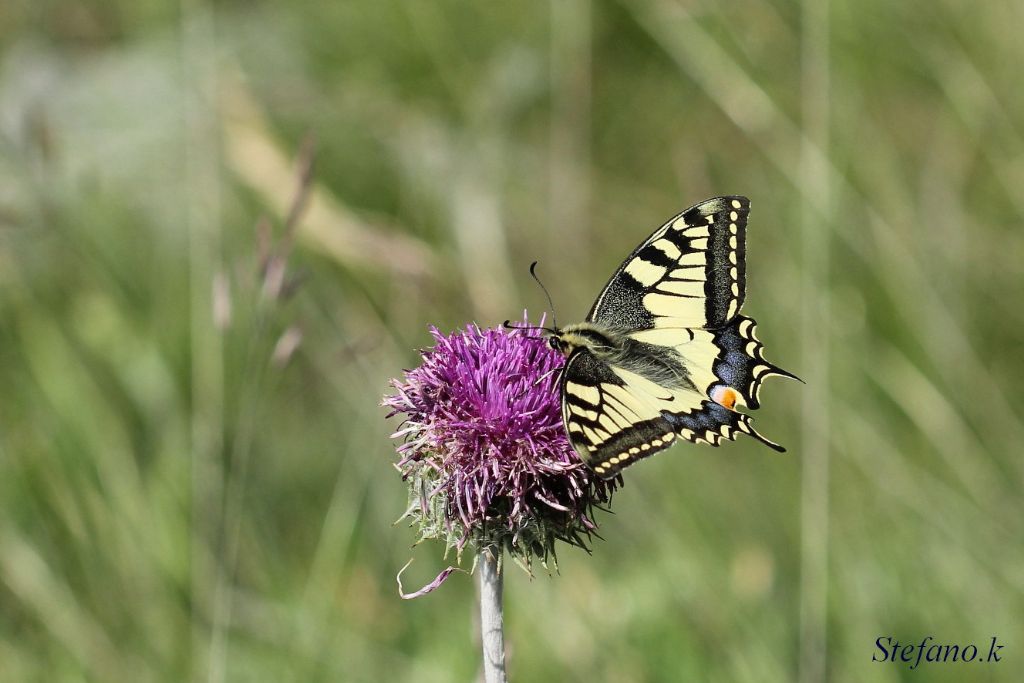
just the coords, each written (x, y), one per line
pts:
(724, 396)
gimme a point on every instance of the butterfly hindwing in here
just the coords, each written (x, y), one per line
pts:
(610, 415)
(616, 416)
(689, 274)
(728, 367)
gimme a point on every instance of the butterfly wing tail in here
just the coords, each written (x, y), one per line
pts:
(741, 364)
(714, 422)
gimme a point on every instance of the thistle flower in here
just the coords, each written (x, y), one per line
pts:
(484, 450)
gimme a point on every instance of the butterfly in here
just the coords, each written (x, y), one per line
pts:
(664, 354)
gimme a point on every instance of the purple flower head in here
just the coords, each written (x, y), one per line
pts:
(484, 450)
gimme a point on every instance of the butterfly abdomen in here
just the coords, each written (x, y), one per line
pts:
(656, 363)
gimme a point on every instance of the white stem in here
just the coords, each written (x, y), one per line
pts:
(492, 629)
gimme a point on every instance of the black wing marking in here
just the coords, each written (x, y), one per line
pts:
(740, 363)
(690, 273)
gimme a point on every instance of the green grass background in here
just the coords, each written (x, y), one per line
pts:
(176, 505)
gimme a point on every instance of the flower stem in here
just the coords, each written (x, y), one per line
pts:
(492, 630)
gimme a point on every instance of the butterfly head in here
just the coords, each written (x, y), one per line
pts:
(555, 342)
(598, 340)
(559, 340)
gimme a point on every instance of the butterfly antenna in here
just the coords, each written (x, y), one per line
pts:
(509, 325)
(551, 305)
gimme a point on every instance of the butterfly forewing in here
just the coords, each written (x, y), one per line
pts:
(689, 274)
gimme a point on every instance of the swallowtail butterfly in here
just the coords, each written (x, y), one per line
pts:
(664, 353)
